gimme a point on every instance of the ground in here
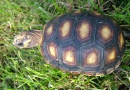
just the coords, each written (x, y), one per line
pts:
(25, 69)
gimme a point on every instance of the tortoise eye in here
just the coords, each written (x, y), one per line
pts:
(20, 44)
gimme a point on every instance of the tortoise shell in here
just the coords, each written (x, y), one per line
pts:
(83, 42)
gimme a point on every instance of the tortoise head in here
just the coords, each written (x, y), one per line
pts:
(28, 39)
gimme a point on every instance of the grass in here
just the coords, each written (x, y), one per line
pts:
(25, 69)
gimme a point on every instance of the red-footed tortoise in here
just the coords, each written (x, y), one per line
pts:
(78, 42)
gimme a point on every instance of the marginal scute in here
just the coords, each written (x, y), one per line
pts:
(110, 70)
(99, 74)
(89, 73)
(52, 49)
(91, 58)
(65, 29)
(121, 40)
(75, 72)
(117, 64)
(106, 33)
(96, 13)
(111, 55)
(84, 30)
(50, 30)
(77, 11)
(69, 56)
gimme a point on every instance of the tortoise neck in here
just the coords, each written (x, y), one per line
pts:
(38, 36)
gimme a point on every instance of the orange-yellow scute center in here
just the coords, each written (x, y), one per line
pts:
(92, 58)
(106, 33)
(111, 55)
(69, 56)
(52, 50)
(84, 30)
(121, 40)
(49, 30)
(65, 28)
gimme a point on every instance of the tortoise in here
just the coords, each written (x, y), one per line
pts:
(78, 42)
